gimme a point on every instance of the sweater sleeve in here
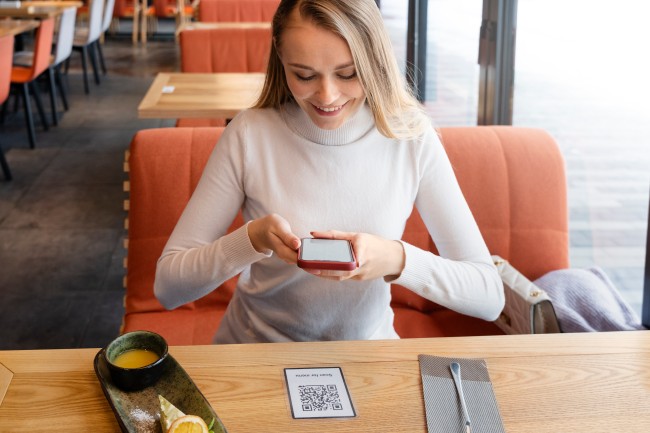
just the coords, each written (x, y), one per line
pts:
(199, 255)
(463, 278)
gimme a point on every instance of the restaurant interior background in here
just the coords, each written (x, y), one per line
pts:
(580, 73)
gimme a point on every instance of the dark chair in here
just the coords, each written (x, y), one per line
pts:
(24, 77)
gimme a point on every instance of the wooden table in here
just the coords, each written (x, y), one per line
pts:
(592, 382)
(38, 9)
(54, 3)
(200, 25)
(16, 27)
(188, 95)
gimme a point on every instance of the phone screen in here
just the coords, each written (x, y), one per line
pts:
(327, 250)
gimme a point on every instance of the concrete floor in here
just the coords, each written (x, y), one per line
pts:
(62, 217)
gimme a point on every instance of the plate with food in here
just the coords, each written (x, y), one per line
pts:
(172, 404)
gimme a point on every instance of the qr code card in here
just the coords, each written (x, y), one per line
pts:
(318, 393)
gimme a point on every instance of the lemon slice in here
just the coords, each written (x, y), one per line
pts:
(168, 413)
(188, 424)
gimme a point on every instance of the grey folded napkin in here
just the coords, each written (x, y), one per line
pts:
(441, 401)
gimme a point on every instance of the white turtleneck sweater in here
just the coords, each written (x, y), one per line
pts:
(351, 179)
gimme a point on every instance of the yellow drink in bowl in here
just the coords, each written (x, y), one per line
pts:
(136, 358)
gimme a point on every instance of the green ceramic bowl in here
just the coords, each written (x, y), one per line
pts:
(134, 378)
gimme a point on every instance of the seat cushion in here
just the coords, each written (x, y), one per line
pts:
(193, 123)
(21, 74)
(178, 327)
(411, 323)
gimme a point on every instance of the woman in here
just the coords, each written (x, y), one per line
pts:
(336, 147)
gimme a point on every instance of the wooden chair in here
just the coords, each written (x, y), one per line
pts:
(223, 49)
(182, 11)
(24, 76)
(129, 9)
(6, 52)
(237, 10)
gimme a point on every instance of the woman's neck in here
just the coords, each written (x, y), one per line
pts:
(352, 130)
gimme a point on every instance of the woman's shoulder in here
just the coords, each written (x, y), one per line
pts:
(252, 127)
(255, 116)
(426, 136)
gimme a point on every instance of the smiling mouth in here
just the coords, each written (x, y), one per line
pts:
(329, 111)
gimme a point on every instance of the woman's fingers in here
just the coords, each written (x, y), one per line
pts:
(376, 257)
(331, 275)
(273, 233)
(333, 234)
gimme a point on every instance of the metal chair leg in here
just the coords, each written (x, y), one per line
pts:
(52, 86)
(84, 53)
(92, 53)
(39, 104)
(101, 57)
(3, 112)
(5, 165)
(28, 116)
(59, 83)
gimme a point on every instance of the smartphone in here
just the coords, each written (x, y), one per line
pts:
(329, 254)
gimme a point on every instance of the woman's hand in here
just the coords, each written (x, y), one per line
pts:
(273, 233)
(376, 257)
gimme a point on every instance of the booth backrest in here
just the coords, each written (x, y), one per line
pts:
(237, 10)
(225, 49)
(513, 179)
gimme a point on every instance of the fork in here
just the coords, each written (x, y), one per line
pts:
(455, 373)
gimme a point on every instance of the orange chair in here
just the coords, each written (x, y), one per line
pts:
(172, 8)
(191, 147)
(223, 50)
(237, 10)
(513, 179)
(63, 49)
(181, 10)
(130, 9)
(25, 76)
(6, 55)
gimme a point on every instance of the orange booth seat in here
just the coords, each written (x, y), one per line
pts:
(206, 50)
(237, 10)
(513, 179)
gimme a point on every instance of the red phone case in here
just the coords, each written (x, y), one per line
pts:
(326, 264)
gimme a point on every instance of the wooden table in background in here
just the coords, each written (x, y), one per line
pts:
(38, 9)
(592, 382)
(188, 95)
(16, 27)
(56, 3)
(198, 25)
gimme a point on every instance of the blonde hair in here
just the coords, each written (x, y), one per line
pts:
(396, 111)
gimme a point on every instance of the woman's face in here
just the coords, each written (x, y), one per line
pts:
(320, 73)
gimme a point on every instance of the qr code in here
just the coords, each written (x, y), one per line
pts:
(319, 397)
